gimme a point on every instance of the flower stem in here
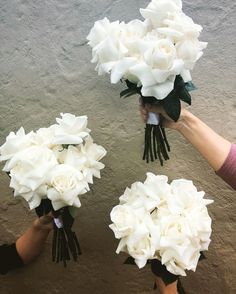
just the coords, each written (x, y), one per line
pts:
(156, 145)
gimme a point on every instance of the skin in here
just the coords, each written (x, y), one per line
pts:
(169, 289)
(30, 244)
(208, 143)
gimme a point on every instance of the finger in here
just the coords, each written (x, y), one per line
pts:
(50, 214)
(46, 219)
(143, 111)
(154, 108)
(141, 101)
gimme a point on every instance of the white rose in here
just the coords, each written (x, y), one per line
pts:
(32, 197)
(124, 220)
(28, 172)
(86, 158)
(158, 10)
(65, 184)
(158, 70)
(140, 246)
(107, 54)
(190, 51)
(177, 261)
(184, 33)
(179, 26)
(15, 142)
(30, 166)
(101, 30)
(120, 70)
(200, 225)
(132, 33)
(161, 55)
(184, 197)
(130, 194)
(139, 196)
(93, 153)
(44, 137)
(131, 38)
(158, 184)
(70, 129)
(178, 250)
(60, 152)
(107, 49)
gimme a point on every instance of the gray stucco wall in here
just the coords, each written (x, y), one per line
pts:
(44, 70)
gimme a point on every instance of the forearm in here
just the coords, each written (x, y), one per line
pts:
(31, 243)
(210, 145)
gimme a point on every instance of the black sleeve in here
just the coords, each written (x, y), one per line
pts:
(9, 258)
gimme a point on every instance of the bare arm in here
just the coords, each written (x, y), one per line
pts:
(209, 144)
(30, 244)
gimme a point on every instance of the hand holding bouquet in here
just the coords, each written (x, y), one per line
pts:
(154, 57)
(50, 169)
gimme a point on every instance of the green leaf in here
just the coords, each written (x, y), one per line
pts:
(150, 100)
(73, 211)
(202, 256)
(189, 86)
(129, 260)
(131, 85)
(125, 92)
(172, 106)
(130, 94)
(185, 96)
(160, 270)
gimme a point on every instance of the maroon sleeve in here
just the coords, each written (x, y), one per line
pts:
(228, 170)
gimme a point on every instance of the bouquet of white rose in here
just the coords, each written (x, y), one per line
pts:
(167, 224)
(50, 168)
(154, 57)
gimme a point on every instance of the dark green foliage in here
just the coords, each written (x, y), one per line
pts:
(171, 103)
(129, 260)
(172, 106)
(160, 270)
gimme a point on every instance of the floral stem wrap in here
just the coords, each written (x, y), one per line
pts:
(65, 243)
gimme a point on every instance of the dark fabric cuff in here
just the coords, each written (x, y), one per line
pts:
(9, 258)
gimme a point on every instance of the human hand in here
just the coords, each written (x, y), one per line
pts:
(44, 223)
(167, 122)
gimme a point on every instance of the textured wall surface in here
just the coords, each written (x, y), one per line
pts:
(44, 70)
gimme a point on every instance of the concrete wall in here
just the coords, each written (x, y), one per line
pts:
(44, 70)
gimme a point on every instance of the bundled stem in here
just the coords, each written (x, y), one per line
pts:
(155, 144)
(65, 244)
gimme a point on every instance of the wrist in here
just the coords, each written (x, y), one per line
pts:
(187, 119)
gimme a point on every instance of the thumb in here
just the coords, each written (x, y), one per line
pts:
(154, 108)
(46, 219)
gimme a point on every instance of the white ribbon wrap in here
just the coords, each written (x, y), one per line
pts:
(58, 222)
(153, 118)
